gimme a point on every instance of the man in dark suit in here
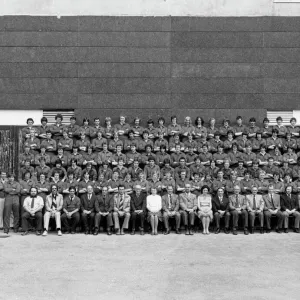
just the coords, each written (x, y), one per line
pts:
(272, 208)
(88, 209)
(138, 208)
(170, 207)
(289, 206)
(220, 207)
(104, 207)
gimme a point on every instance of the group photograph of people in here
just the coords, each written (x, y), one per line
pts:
(125, 178)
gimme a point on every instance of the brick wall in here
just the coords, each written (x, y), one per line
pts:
(151, 66)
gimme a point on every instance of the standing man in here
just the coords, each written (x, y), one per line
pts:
(255, 207)
(33, 206)
(2, 196)
(12, 190)
(220, 208)
(71, 217)
(121, 210)
(238, 206)
(88, 209)
(54, 204)
(170, 207)
(188, 206)
(138, 208)
(289, 205)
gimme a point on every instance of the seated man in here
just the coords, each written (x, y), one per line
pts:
(104, 207)
(188, 206)
(121, 210)
(33, 206)
(88, 209)
(220, 208)
(238, 206)
(138, 208)
(71, 217)
(54, 204)
(255, 206)
(289, 205)
(272, 208)
(170, 207)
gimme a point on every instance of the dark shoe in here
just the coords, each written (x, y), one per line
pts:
(268, 230)
(72, 232)
(226, 230)
(167, 232)
(217, 231)
(246, 232)
(178, 231)
(251, 230)
(142, 232)
(278, 230)
(96, 232)
(132, 232)
(234, 231)
(24, 233)
(152, 233)
(261, 230)
(86, 232)
(89, 232)
(38, 232)
(297, 230)
(6, 231)
(16, 230)
(286, 230)
(109, 231)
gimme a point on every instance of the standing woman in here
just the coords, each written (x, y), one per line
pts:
(154, 206)
(205, 208)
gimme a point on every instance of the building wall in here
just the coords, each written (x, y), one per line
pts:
(150, 66)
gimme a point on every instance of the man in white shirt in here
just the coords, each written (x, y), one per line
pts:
(154, 206)
(53, 204)
(33, 206)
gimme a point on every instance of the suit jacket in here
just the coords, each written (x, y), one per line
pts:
(237, 203)
(104, 204)
(174, 202)
(86, 204)
(268, 202)
(138, 203)
(289, 203)
(216, 204)
(188, 201)
(259, 202)
(59, 202)
(126, 202)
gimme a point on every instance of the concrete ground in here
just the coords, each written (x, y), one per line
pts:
(150, 267)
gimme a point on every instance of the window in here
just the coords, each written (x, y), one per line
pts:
(285, 115)
(19, 117)
(50, 115)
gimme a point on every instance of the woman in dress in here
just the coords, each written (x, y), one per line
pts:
(205, 208)
(154, 206)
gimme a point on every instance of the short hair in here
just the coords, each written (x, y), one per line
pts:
(239, 118)
(59, 116)
(72, 187)
(275, 130)
(151, 158)
(85, 120)
(121, 186)
(58, 161)
(29, 119)
(197, 120)
(33, 187)
(44, 119)
(266, 120)
(73, 118)
(293, 119)
(150, 121)
(10, 174)
(161, 119)
(252, 120)
(173, 117)
(279, 119)
(205, 187)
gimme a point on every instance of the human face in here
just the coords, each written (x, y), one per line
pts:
(33, 192)
(72, 192)
(236, 190)
(121, 190)
(89, 189)
(170, 190)
(205, 191)
(220, 192)
(54, 190)
(187, 188)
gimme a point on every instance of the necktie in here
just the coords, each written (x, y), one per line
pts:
(32, 202)
(254, 203)
(272, 201)
(54, 202)
(221, 200)
(237, 201)
(169, 201)
(121, 203)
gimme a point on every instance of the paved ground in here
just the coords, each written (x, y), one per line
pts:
(150, 267)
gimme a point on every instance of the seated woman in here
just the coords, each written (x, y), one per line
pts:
(154, 206)
(205, 208)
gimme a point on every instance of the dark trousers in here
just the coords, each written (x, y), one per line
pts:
(166, 217)
(22, 210)
(38, 216)
(109, 221)
(217, 217)
(252, 218)
(88, 220)
(268, 215)
(187, 218)
(11, 204)
(135, 216)
(235, 218)
(72, 222)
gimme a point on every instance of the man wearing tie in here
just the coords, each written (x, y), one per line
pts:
(138, 208)
(272, 208)
(54, 203)
(88, 209)
(71, 217)
(220, 207)
(33, 206)
(188, 206)
(121, 210)
(170, 207)
(237, 207)
(104, 207)
(255, 206)
(289, 205)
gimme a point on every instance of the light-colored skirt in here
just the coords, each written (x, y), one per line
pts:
(202, 214)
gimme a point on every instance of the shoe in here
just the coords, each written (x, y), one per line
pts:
(187, 232)
(24, 233)
(217, 231)
(191, 232)
(90, 232)
(226, 231)
(152, 233)
(59, 233)
(234, 231)
(261, 230)
(278, 230)
(178, 231)
(268, 230)
(16, 230)
(132, 232)
(122, 232)
(142, 232)
(118, 232)
(297, 230)
(246, 232)
(72, 232)
(6, 231)
(286, 230)
(45, 233)
(155, 233)
(167, 232)
(38, 232)
(86, 232)
(251, 230)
